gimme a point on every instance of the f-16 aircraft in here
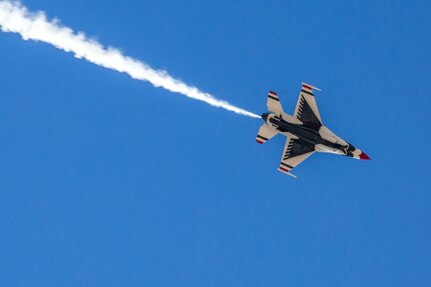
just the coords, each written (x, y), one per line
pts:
(305, 131)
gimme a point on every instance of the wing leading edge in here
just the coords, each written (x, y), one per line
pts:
(265, 134)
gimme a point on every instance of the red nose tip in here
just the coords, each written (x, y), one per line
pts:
(363, 156)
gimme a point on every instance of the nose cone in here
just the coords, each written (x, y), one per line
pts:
(265, 116)
(364, 156)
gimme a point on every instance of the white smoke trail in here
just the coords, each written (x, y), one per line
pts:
(16, 18)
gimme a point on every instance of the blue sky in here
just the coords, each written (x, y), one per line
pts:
(108, 181)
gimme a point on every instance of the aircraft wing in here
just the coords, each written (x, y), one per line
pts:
(306, 108)
(265, 133)
(273, 103)
(294, 153)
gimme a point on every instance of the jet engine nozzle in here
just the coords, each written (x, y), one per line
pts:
(265, 116)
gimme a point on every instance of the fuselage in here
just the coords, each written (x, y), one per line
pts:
(320, 136)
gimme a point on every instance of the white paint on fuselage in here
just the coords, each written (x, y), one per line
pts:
(328, 135)
(327, 149)
(290, 119)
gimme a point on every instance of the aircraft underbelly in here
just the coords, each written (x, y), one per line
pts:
(305, 131)
(290, 135)
(328, 135)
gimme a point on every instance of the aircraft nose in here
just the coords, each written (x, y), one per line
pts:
(364, 156)
(265, 116)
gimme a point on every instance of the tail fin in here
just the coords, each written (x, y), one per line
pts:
(273, 103)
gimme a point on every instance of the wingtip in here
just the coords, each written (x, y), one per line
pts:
(311, 87)
(286, 172)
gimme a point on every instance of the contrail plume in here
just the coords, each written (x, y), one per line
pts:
(16, 18)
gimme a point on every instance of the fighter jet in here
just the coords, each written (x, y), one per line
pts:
(305, 131)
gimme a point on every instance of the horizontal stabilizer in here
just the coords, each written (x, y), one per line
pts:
(265, 134)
